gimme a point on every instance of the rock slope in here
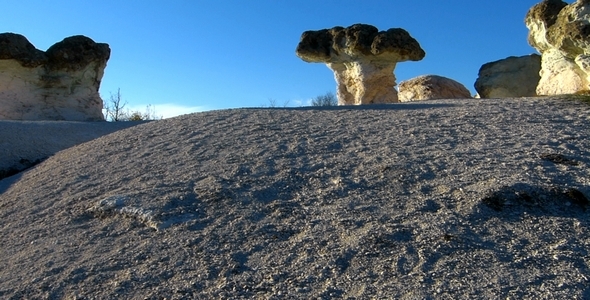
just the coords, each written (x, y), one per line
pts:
(443, 199)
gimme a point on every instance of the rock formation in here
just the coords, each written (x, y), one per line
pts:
(362, 58)
(428, 87)
(561, 33)
(59, 84)
(509, 77)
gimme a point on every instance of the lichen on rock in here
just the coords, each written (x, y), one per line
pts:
(561, 33)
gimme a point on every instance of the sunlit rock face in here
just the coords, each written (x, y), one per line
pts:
(427, 87)
(61, 83)
(509, 77)
(363, 60)
(561, 33)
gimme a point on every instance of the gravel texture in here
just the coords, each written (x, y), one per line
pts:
(444, 199)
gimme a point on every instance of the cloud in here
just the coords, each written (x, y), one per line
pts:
(299, 102)
(167, 110)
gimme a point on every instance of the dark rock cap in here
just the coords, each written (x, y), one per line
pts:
(17, 47)
(566, 26)
(341, 44)
(546, 11)
(569, 34)
(73, 53)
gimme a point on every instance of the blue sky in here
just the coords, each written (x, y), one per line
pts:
(192, 55)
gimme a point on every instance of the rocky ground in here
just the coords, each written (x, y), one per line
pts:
(26, 143)
(445, 199)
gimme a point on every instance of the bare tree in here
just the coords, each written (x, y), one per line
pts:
(325, 100)
(114, 108)
(273, 103)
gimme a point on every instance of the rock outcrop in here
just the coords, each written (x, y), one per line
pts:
(509, 77)
(427, 87)
(561, 33)
(61, 83)
(362, 58)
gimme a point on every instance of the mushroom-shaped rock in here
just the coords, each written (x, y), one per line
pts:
(362, 58)
(428, 87)
(59, 84)
(561, 33)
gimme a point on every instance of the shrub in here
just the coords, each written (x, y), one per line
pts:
(115, 110)
(325, 100)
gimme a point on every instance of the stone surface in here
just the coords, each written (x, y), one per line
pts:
(561, 33)
(363, 59)
(509, 77)
(427, 87)
(61, 83)
(560, 75)
(539, 19)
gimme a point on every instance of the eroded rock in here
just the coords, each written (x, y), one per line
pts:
(509, 77)
(428, 87)
(61, 83)
(561, 33)
(560, 75)
(363, 59)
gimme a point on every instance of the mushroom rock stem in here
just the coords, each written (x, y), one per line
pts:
(364, 82)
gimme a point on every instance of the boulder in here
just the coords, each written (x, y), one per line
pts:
(428, 87)
(363, 60)
(61, 83)
(561, 33)
(509, 77)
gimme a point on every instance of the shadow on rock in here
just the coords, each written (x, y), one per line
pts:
(22, 165)
(513, 200)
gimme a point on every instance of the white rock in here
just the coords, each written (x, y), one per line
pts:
(560, 75)
(363, 82)
(509, 77)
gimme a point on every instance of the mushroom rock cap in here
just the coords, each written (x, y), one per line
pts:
(338, 44)
(539, 19)
(571, 31)
(17, 47)
(546, 11)
(76, 52)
